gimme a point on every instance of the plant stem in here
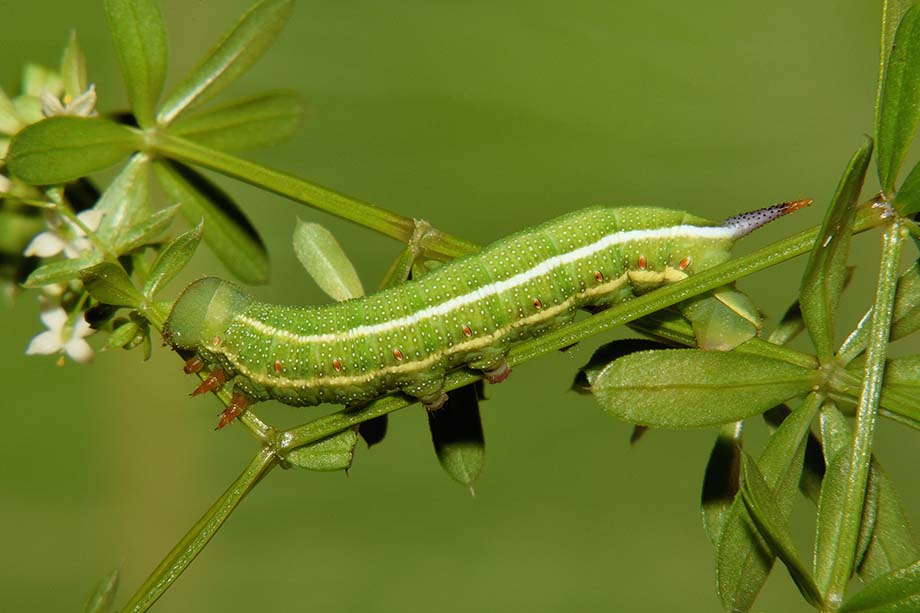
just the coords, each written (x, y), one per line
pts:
(195, 540)
(435, 244)
(867, 410)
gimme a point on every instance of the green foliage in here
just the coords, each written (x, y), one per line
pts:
(899, 112)
(232, 238)
(686, 388)
(229, 59)
(140, 42)
(456, 431)
(257, 121)
(826, 271)
(335, 452)
(63, 149)
(326, 262)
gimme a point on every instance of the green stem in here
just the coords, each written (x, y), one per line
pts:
(195, 540)
(436, 244)
(867, 410)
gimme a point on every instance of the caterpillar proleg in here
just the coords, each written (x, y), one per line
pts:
(466, 313)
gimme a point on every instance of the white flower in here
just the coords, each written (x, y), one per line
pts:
(83, 105)
(64, 235)
(62, 336)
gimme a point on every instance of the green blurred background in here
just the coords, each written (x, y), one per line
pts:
(483, 118)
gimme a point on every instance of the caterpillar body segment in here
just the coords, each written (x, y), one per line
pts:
(468, 312)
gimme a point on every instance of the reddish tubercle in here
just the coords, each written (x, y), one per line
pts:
(214, 381)
(277, 366)
(238, 404)
(643, 263)
(193, 365)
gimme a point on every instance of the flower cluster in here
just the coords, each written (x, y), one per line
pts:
(24, 245)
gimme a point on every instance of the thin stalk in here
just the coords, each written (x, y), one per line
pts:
(436, 244)
(195, 540)
(866, 413)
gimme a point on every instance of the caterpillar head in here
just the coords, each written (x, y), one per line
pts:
(202, 312)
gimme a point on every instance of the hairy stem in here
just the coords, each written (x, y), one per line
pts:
(861, 452)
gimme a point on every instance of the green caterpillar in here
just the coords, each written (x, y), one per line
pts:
(465, 313)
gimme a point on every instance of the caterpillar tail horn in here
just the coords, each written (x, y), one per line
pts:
(745, 223)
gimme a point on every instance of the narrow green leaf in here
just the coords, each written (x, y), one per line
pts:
(722, 319)
(326, 262)
(335, 452)
(789, 326)
(721, 480)
(826, 272)
(230, 58)
(758, 498)
(110, 284)
(73, 67)
(227, 231)
(899, 111)
(61, 149)
(103, 597)
(907, 200)
(860, 455)
(172, 260)
(456, 431)
(892, 543)
(830, 520)
(259, 121)
(901, 388)
(147, 231)
(897, 591)
(57, 272)
(892, 12)
(907, 303)
(140, 41)
(744, 558)
(688, 388)
(124, 203)
(122, 335)
(604, 355)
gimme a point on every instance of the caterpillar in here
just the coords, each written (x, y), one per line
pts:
(468, 312)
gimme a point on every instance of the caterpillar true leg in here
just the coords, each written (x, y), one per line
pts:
(193, 365)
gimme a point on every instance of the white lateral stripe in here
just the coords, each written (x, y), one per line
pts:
(543, 268)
